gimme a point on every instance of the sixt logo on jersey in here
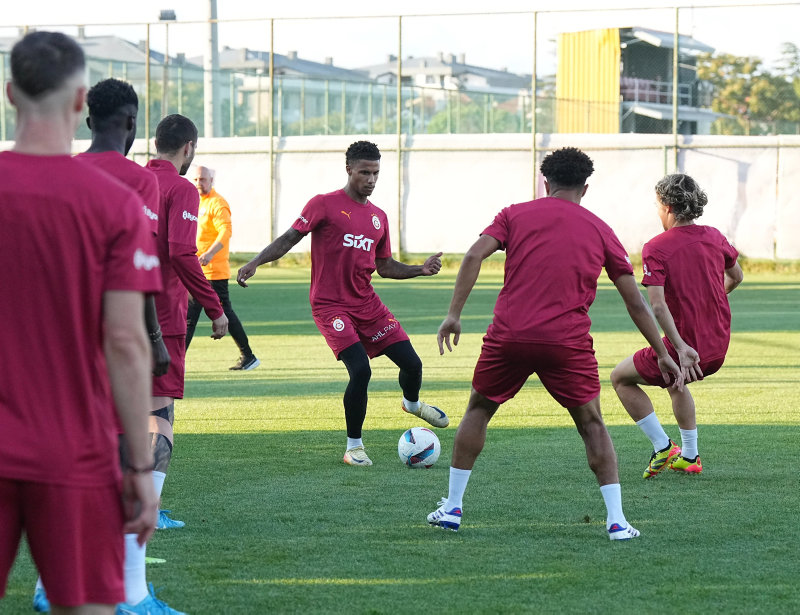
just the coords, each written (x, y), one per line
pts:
(188, 216)
(150, 213)
(358, 241)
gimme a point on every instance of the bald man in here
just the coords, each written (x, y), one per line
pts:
(213, 239)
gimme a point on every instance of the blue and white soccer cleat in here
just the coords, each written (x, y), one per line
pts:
(447, 519)
(165, 523)
(149, 606)
(617, 532)
(40, 602)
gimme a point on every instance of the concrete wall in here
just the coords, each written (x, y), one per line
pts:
(448, 197)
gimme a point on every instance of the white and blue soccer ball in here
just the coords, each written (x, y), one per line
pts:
(419, 447)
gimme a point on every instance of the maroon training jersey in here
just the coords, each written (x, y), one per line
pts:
(177, 251)
(346, 238)
(69, 233)
(690, 262)
(136, 177)
(555, 251)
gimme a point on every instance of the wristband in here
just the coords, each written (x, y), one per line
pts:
(155, 336)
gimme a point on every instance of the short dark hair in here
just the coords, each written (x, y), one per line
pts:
(109, 96)
(173, 132)
(42, 61)
(362, 150)
(682, 195)
(568, 167)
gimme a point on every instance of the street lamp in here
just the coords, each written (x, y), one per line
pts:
(166, 16)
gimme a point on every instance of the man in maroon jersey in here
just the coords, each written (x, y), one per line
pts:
(350, 240)
(555, 251)
(176, 139)
(113, 107)
(689, 269)
(60, 478)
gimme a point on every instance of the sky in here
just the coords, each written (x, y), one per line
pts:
(353, 40)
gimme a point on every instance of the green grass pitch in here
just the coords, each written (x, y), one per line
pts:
(276, 523)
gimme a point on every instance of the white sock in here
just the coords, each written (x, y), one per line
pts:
(135, 577)
(689, 443)
(158, 482)
(458, 483)
(652, 429)
(38, 584)
(410, 405)
(354, 442)
(612, 496)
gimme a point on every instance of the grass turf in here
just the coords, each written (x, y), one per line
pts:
(276, 523)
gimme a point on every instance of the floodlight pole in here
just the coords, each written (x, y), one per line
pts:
(211, 111)
(675, 51)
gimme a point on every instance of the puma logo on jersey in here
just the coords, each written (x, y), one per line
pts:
(346, 213)
(646, 270)
(358, 241)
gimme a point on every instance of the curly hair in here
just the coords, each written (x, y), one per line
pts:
(682, 195)
(107, 97)
(362, 150)
(568, 167)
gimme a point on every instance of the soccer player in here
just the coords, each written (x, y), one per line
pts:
(555, 251)
(176, 140)
(688, 271)
(84, 259)
(214, 231)
(350, 240)
(113, 107)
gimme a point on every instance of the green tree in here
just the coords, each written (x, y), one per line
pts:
(757, 101)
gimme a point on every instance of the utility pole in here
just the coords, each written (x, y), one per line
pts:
(211, 116)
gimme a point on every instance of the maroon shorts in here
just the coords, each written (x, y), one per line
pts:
(171, 383)
(75, 537)
(373, 325)
(646, 363)
(568, 373)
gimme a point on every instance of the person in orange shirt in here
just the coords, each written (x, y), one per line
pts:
(213, 237)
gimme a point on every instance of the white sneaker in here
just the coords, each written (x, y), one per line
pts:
(448, 519)
(617, 532)
(356, 456)
(430, 414)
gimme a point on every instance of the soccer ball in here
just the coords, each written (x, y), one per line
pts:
(419, 447)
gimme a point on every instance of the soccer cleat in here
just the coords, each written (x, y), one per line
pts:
(149, 606)
(356, 456)
(617, 532)
(430, 414)
(688, 466)
(661, 459)
(447, 519)
(40, 602)
(245, 364)
(165, 523)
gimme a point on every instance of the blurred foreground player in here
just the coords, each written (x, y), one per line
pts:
(60, 479)
(176, 140)
(688, 271)
(350, 240)
(555, 251)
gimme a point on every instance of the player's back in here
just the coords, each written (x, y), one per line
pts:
(555, 252)
(693, 259)
(63, 227)
(137, 178)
